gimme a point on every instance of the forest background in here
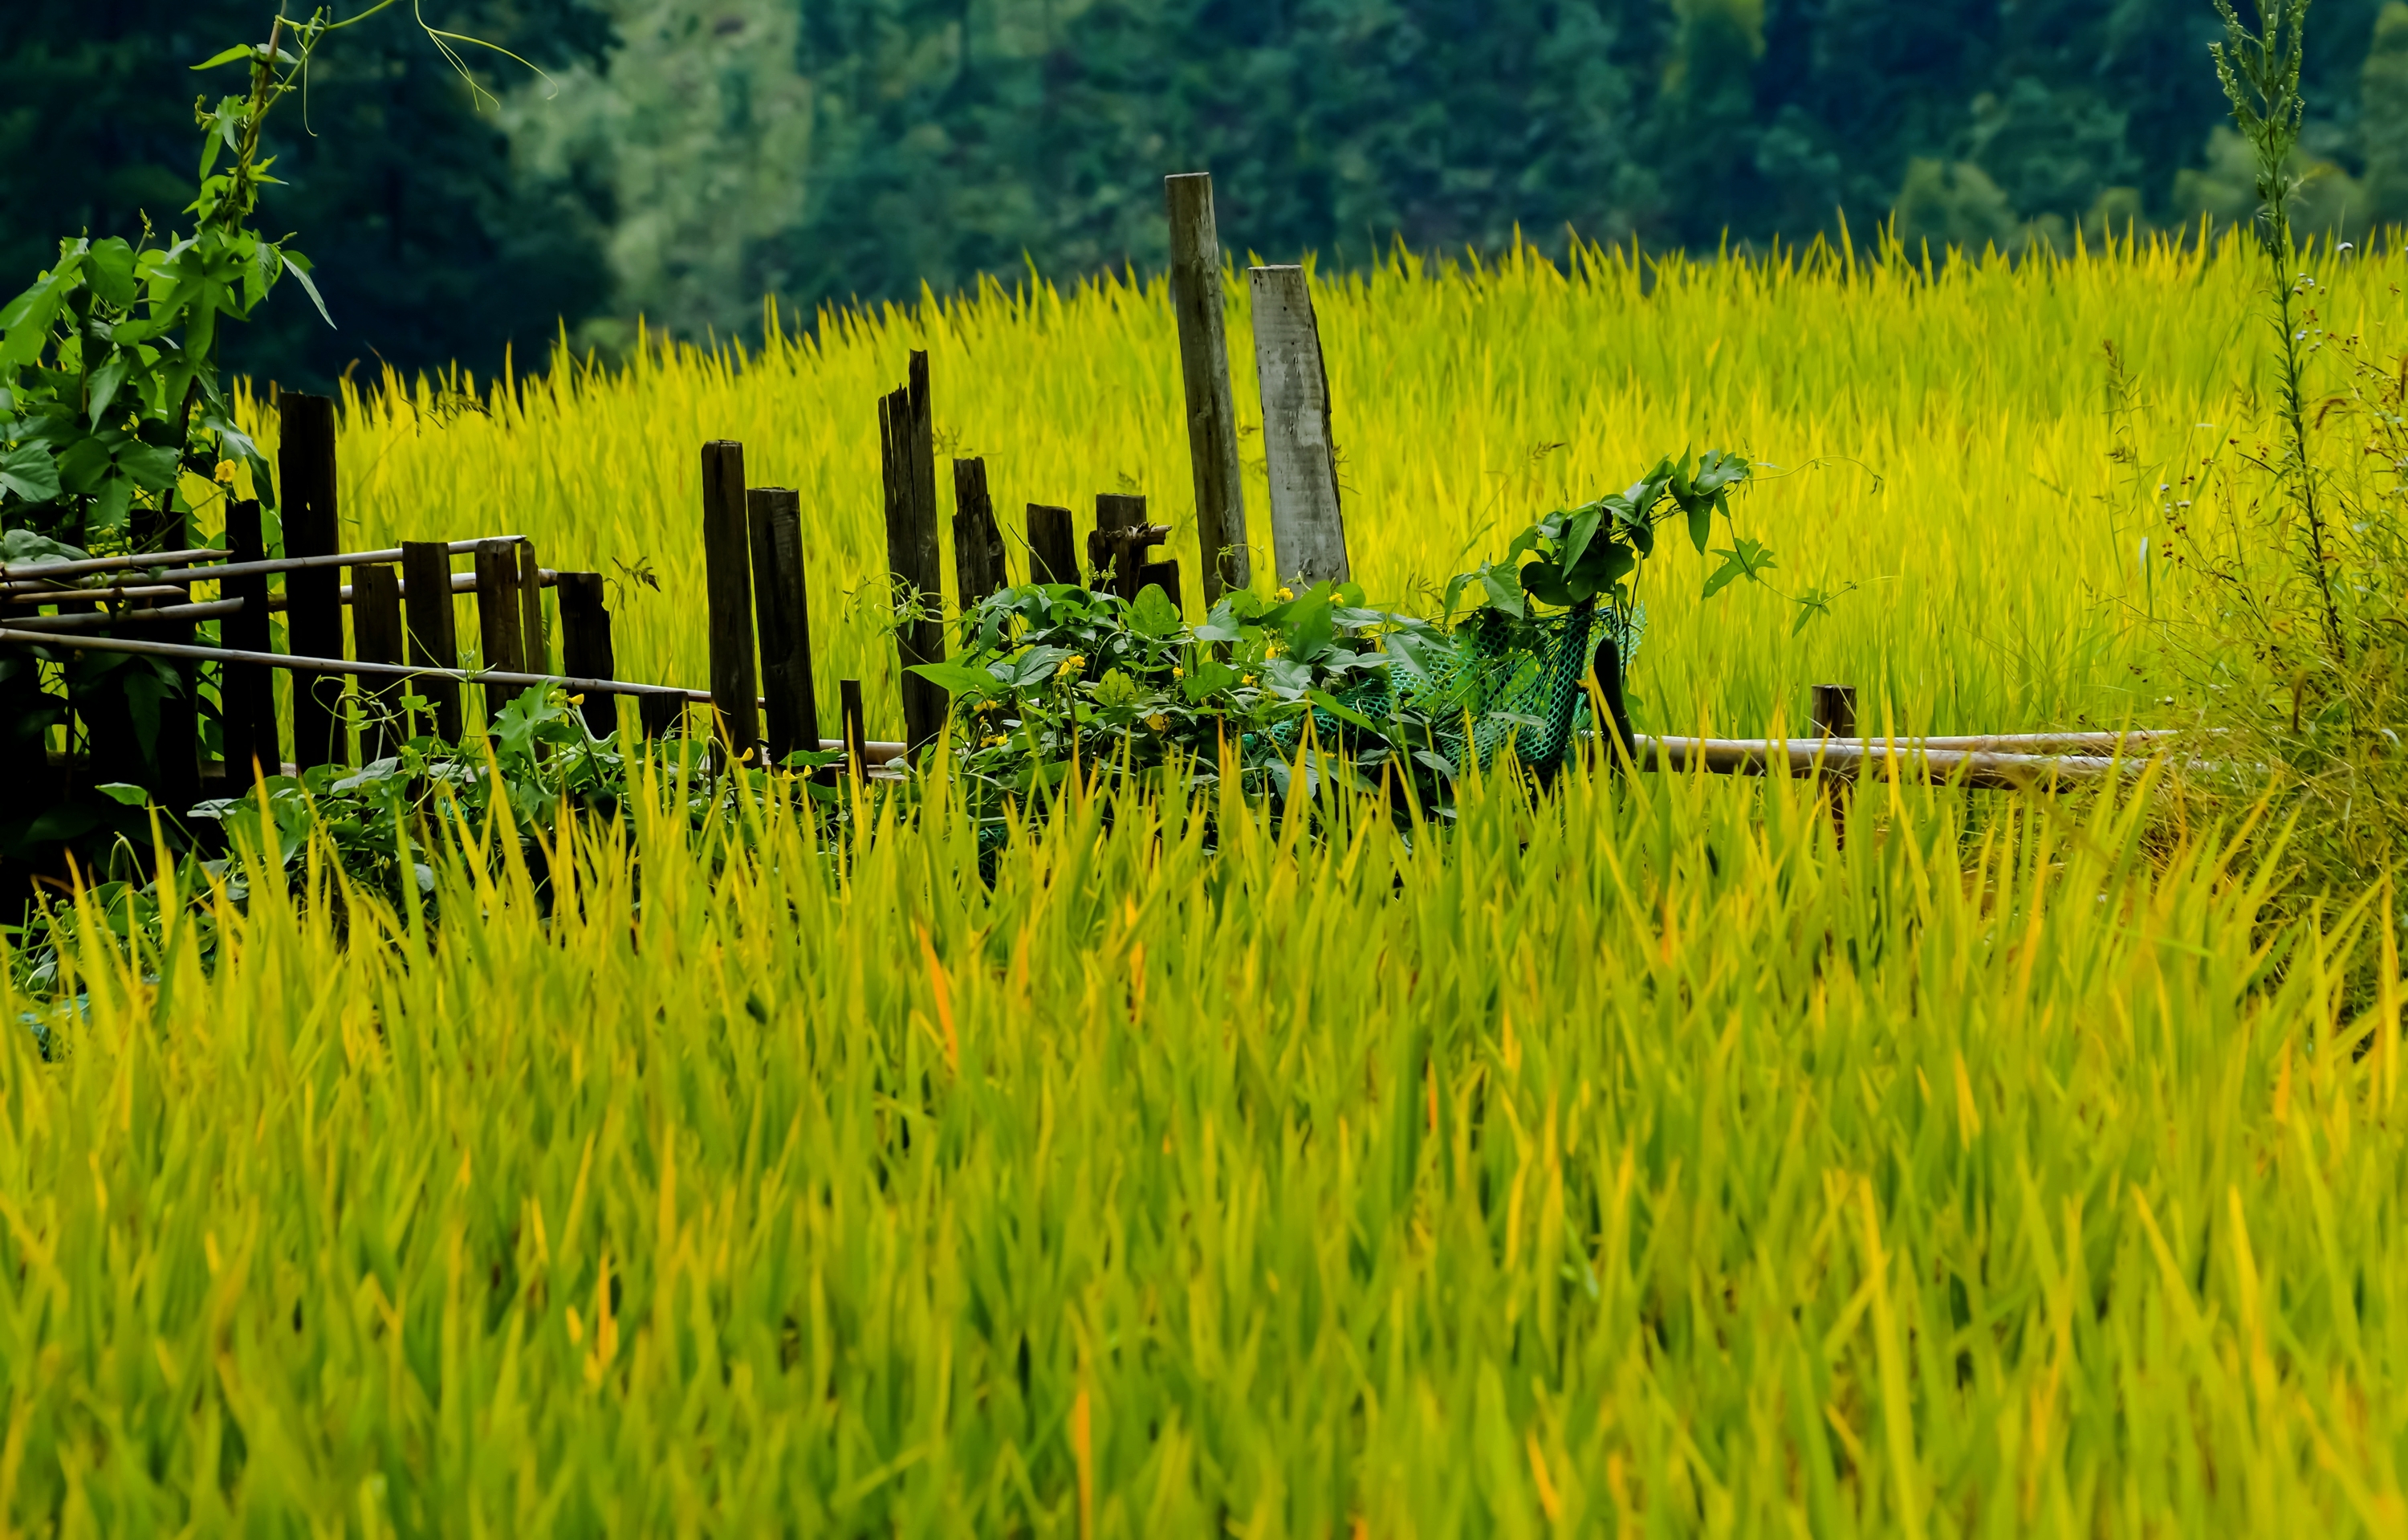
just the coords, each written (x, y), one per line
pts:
(678, 160)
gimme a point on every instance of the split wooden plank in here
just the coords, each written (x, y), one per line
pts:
(783, 610)
(377, 638)
(979, 568)
(727, 571)
(433, 628)
(305, 480)
(1307, 532)
(246, 692)
(585, 644)
(1196, 300)
(1053, 545)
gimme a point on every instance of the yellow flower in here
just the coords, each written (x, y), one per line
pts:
(996, 740)
(1158, 722)
(1245, 679)
(1285, 594)
(225, 473)
(1178, 672)
(1270, 649)
(1070, 664)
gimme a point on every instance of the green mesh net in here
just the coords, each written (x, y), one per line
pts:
(1492, 683)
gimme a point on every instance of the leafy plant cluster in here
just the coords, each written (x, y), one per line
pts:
(1056, 680)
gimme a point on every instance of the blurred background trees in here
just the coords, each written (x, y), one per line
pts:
(683, 158)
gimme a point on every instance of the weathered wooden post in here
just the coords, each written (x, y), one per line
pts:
(376, 627)
(305, 478)
(1118, 548)
(856, 731)
(248, 690)
(907, 434)
(1204, 371)
(1308, 534)
(1053, 545)
(784, 611)
(501, 621)
(1835, 720)
(728, 573)
(661, 712)
(433, 628)
(536, 647)
(585, 651)
(978, 543)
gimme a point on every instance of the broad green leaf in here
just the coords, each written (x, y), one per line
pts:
(956, 678)
(1339, 709)
(30, 473)
(152, 466)
(295, 265)
(1504, 595)
(227, 56)
(105, 382)
(125, 793)
(1153, 614)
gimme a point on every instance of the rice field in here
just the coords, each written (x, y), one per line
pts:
(1629, 1158)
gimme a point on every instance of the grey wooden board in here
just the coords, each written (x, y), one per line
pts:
(1204, 372)
(1308, 533)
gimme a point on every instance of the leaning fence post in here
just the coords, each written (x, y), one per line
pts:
(585, 645)
(376, 627)
(907, 436)
(304, 476)
(978, 566)
(1053, 545)
(501, 625)
(1308, 534)
(246, 691)
(434, 631)
(1204, 369)
(783, 613)
(728, 573)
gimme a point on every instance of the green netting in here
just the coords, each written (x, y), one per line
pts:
(1493, 683)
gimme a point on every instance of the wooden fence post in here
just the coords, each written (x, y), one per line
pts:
(783, 610)
(434, 631)
(1308, 533)
(906, 435)
(1204, 369)
(979, 568)
(501, 623)
(661, 712)
(305, 476)
(1835, 718)
(535, 645)
(585, 650)
(728, 576)
(856, 732)
(375, 627)
(1053, 545)
(246, 691)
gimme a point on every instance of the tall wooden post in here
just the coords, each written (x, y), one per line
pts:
(907, 435)
(785, 619)
(727, 571)
(1053, 545)
(246, 691)
(978, 543)
(434, 631)
(305, 476)
(501, 621)
(376, 626)
(535, 644)
(1307, 536)
(585, 651)
(856, 731)
(1204, 371)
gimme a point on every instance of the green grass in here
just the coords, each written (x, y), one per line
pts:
(1631, 1162)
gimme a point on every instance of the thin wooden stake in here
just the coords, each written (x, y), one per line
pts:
(856, 730)
(536, 647)
(434, 628)
(1835, 717)
(1308, 533)
(305, 464)
(585, 644)
(727, 570)
(785, 618)
(1204, 371)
